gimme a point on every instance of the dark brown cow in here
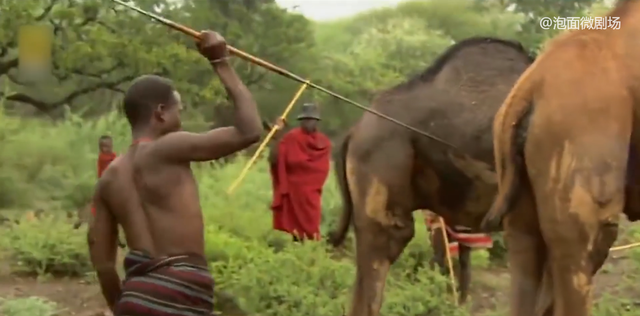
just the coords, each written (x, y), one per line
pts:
(386, 172)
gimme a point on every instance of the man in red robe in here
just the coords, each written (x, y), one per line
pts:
(105, 157)
(299, 168)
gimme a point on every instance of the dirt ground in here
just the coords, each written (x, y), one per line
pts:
(81, 297)
(75, 297)
(78, 297)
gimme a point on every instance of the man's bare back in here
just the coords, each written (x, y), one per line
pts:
(152, 193)
(148, 204)
(169, 193)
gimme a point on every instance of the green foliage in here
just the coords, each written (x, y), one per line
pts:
(380, 48)
(498, 253)
(356, 57)
(50, 166)
(29, 306)
(263, 269)
(99, 47)
(46, 246)
(89, 52)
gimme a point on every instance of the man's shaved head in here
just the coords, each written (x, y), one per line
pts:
(144, 95)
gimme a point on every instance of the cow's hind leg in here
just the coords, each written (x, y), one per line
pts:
(579, 222)
(464, 279)
(382, 231)
(525, 253)
(599, 255)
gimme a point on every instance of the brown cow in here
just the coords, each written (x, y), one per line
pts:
(566, 143)
(385, 171)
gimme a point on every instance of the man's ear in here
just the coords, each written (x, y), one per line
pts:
(159, 112)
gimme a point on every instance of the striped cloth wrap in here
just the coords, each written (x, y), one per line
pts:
(167, 286)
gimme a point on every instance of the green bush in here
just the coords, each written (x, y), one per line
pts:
(29, 306)
(47, 245)
(51, 167)
(498, 253)
(262, 269)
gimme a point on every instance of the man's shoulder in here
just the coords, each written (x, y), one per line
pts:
(115, 168)
(152, 153)
(172, 138)
(113, 178)
(102, 185)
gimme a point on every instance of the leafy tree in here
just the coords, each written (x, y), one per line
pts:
(380, 48)
(99, 47)
(534, 10)
(260, 28)
(95, 48)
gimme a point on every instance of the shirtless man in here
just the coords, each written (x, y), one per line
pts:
(151, 192)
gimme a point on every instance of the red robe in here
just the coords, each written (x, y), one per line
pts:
(297, 178)
(103, 162)
(460, 236)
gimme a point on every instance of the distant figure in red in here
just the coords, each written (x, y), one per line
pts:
(105, 157)
(299, 168)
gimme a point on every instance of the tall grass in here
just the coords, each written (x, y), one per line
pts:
(51, 166)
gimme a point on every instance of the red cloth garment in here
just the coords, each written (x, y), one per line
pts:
(297, 177)
(459, 235)
(104, 160)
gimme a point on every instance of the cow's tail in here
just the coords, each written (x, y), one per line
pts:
(509, 133)
(337, 236)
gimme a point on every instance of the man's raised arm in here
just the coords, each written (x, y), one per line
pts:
(220, 142)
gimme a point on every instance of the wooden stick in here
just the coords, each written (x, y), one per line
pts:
(281, 71)
(443, 228)
(262, 146)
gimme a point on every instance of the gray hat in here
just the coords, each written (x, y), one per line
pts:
(309, 111)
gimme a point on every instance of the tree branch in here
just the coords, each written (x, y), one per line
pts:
(6, 66)
(108, 27)
(17, 81)
(256, 78)
(99, 74)
(47, 10)
(47, 107)
(60, 73)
